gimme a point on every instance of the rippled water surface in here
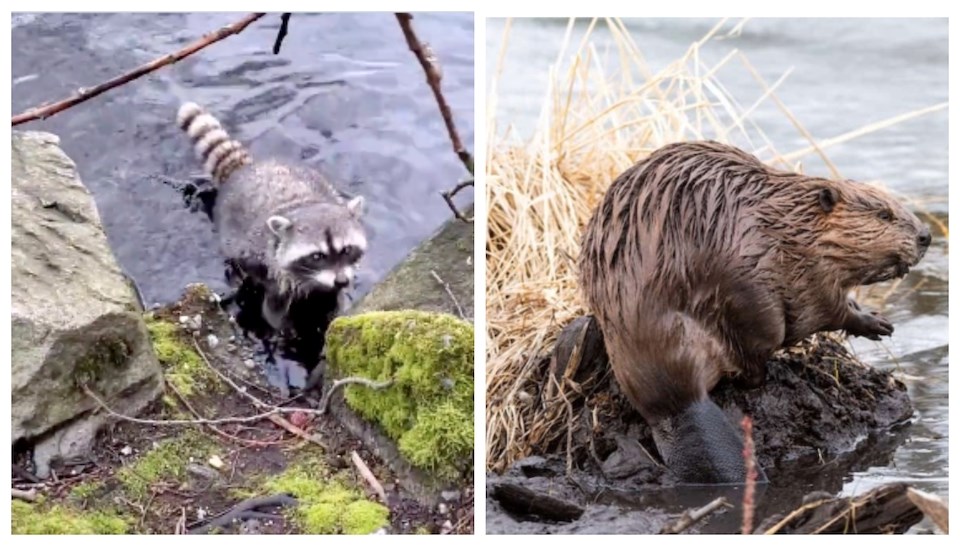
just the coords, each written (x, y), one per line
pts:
(344, 95)
(846, 75)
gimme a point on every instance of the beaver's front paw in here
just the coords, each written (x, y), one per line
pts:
(869, 325)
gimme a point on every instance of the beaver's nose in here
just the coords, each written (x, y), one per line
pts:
(924, 238)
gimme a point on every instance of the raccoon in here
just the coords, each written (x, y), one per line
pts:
(283, 226)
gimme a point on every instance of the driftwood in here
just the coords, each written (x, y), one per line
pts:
(83, 94)
(884, 510)
(933, 506)
(524, 501)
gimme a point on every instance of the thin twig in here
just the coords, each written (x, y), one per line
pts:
(432, 69)
(30, 495)
(83, 94)
(690, 517)
(449, 293)
(226, 435)
(368, 476)
(749, 504)
(375, 385)
(448, 197)
(294, 429)
(284, 21)
(167, 422)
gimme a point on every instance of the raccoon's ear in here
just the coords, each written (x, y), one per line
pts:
(355, 206)
(278, 225)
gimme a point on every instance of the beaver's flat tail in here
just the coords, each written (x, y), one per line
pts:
(221, 155)
(700, 446)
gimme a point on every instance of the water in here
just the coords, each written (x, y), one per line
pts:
(344, 95)
(846, 74)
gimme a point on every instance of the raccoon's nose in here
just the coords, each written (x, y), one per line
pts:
(342, 282)
(924, 238)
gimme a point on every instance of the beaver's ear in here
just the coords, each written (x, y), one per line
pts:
(828, 198)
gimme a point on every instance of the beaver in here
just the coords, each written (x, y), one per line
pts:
(701, 261)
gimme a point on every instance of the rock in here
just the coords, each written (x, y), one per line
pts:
(75, 317)
(413, 284)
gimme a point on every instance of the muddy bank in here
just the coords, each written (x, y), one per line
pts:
(821, 414)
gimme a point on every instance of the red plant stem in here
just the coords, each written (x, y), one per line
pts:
(751, 467)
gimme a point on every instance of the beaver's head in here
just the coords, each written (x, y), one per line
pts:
(868, 233)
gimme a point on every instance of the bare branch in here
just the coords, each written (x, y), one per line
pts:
(448, 197)
(432, 69)
(339, 383)
(449, 293)
(83, 94)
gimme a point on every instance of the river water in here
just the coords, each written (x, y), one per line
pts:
(847, 73)
(344, 94)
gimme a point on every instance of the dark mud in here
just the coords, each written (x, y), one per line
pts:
(820, 415)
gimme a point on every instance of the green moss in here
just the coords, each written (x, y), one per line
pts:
(39, 519)
(182, 366)
(103, 356)
(326, 505)
(167, 461)
(429, 408)
(86, 490)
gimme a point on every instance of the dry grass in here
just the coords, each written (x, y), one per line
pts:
(601, 115)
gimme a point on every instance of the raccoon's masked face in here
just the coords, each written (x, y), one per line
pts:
(321, 246)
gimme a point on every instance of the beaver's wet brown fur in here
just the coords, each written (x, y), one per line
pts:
(701, 262)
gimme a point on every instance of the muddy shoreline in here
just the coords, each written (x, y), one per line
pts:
(821, 414)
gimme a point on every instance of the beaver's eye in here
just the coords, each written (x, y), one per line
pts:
(885, 215)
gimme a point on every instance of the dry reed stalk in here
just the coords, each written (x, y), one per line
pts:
(601, 115)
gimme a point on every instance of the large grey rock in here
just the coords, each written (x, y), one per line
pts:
(413, 284)
(75, 317)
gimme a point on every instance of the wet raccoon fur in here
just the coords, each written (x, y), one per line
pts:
(281, 226)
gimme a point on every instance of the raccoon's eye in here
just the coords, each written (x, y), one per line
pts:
(885, 215)
(318, 256)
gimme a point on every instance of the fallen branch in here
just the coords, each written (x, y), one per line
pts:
(83, 94)
(28, 496)
(248, 509)
(433, 71)
(448, 197)
(449, 293)
(294, 429)
(339, 383)
(181, 422)
(692, 516)
(526, 502)
(284, 21)
(368, 476)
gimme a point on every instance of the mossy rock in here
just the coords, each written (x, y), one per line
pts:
(42, 518)
(326, 505)
(428, 409)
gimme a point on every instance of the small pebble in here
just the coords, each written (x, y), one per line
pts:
(446, 528)
(443, 508)
(249, 363)
(450, 495)
(215, 462)
(212, 341)
(126, 451)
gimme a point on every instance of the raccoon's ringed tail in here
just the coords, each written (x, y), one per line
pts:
(221, 155)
